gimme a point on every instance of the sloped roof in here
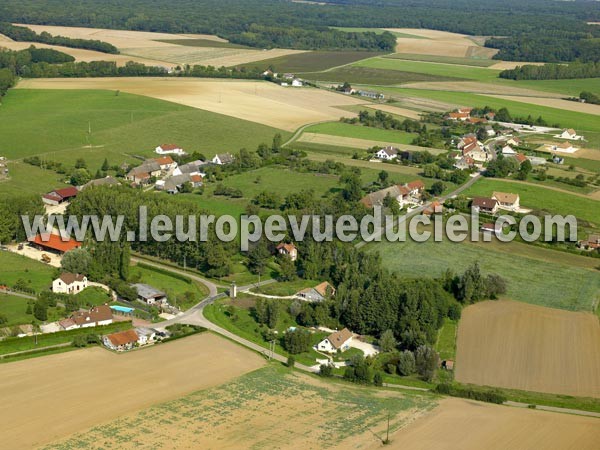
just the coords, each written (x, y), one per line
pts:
(54, 242)
(484, 202)
(70, 278)
(503, 197)
(323, 287)
(339, 338)
(123, 338)
(94, 315)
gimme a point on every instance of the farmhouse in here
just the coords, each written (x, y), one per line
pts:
(297, 83)
(464, 163)
(166, 163)
(121, 341)
(591, 243)
(289, 250)
(223, 158)
(150, 295)
(507, 201)
(318, 293)
(570, 134)
(191, 168)
(145, 335)
(458, 116)
(489, 130)
(387, 153)
(371, 94)
(403, 194)
(520, 158)
(59, 196)
(53, 242)
(174, 184)
(340, 340)
(169, 149)
(96, 316)
(484, 204)
(508, 150)
(514, 141)
(69, 283)
(142, 173)
(565, 147)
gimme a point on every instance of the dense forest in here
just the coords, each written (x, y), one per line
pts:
(24, 34)
(553, 71)
(267, 23)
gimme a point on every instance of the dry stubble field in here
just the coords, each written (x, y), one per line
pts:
(48, 398)
(532, 348)
(285, 108)
(468, 425)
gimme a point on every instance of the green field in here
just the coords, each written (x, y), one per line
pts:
(535, 197)
(314, 61)
(443, 59)
(55, 124)
(362, 132)
(93, 296)
(447, 71)
(366, 74)
(446, 342)
(572, 119)
(27, 179)
(13, 267)
(546, 280)
(14, 308)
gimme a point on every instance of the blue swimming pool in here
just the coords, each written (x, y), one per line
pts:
(122, 309)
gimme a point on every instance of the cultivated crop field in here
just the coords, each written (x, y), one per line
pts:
(542, 277)
(531, 348)
(468, 425)
(268, 408)
(111, 384)
(256, 101)
(150, 47)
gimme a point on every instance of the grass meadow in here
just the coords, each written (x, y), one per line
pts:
(544, 279)
(38, 275)
(365, 72)
(443, 59)
(361, 132)
(13, 308)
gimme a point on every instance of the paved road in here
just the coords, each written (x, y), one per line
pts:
(18, 294)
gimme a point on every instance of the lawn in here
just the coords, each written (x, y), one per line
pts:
(311, 61)
(286, 288)
(36, 274)
(362, 132)
(27, 179)
(581, 121)
(433, 69)
(443, 59)
(13, 308)
(446, 341)
(57, 124)
(179, 292)
(93, 296)
(540, 198)
(545, 281)
(363, 73)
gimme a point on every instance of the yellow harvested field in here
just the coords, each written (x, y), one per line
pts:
(527, 347)
(285, 108)
(81, 54)
(440, 43)
(506, 65)
(404, 112)
(559, 103)
(48, 398)
(146, 46)
(480, 88)
(468, 425)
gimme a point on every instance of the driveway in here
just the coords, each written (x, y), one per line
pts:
(366, 348)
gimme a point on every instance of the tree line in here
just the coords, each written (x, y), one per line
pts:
(553, 71)
(24, 34)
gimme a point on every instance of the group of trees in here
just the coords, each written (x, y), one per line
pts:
(24, 34)
(590, 97)
(553, 71)
(386, 121)
(13, 207)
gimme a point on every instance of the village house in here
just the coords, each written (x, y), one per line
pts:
(591, 243)
(434, 208)
(403, 194)
(169, 149)
(570, 134)
(94, 317)
(69, 283)
(59, 196)
(222, 159)
(514, 141)
(489, 130)
(297, 83)
(464, 163)
(288, 250)
(145, 335)
(508, 150)
(507, 201)
(191, 168)
(387, 153)
(371, 94)
(318, 293)
(121, 341)
(565, 147)
(484, 204)
(338, 341)
(458, 116)
(520, 158)
(166, 163)
(150, 295)
(174, 184)
(472, 148)
(144, 172)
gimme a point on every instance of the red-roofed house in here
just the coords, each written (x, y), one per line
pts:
(166, 149)
(53, 242)
(289, 250)
(59, 196)
(484, 204)
(166, 163)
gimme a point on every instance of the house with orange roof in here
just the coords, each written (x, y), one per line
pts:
(288, 250)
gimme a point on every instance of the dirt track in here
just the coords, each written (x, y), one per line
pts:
(49, 397)
(286, 108)
(516, 345)
(467, 425)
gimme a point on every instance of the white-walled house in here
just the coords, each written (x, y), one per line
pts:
(340, 340)
(169, 149)
(387, 153)
(69, 283)
(297, 83)
(222, 158)
(570, 134)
